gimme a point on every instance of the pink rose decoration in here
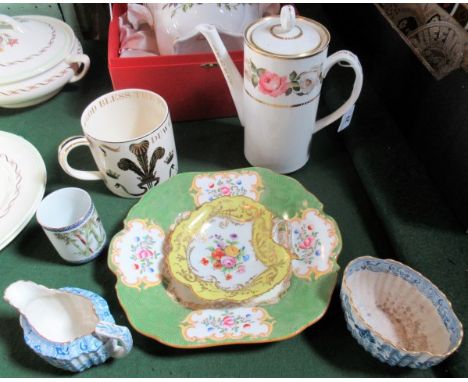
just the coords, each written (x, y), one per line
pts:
(144, 253)
(228, 321)
(241, 269)
(225, 191)
(307, 243)
(273, 85)
(228, 261)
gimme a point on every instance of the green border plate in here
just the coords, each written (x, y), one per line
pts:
(153, 313)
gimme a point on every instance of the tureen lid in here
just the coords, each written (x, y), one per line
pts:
(30, 45)
(287, 36)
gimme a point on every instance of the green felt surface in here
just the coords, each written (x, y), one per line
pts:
(431, 114)
(325, 349)
(410, 194)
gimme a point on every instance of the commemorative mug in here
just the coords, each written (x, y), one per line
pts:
(130, 135)
(72, 224)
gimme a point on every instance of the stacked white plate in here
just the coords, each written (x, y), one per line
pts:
(22, 179)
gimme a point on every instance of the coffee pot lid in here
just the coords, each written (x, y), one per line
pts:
(30, 45)
(287, 36)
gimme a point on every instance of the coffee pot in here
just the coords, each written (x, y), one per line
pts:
(285, 62)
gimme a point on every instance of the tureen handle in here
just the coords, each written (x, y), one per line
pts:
(15, 25)
(81, 61)
(353, 61)
(121, 341)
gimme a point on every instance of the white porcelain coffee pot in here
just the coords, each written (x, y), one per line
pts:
(285, 61)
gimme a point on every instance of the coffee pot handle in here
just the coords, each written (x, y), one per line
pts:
(121, 341)
(353, 61)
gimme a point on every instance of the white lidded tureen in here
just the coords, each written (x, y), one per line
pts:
(38, 56)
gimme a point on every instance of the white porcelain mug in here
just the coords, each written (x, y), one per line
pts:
(130, 135)
(72, 224)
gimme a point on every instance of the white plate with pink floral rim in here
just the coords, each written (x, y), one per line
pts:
(23, 179)
(137, 253)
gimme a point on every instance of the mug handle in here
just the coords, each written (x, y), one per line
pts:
(121, 340)
(82, 60)
(64, 149)
(353, 61)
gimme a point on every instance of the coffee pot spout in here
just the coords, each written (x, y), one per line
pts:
(229, 69)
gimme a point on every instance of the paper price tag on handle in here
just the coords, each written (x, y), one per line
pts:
(346, 119)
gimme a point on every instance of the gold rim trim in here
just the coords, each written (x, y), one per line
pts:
(323, 32)
(272, 31)
(281, 106)
(344, 286)
(166, 121)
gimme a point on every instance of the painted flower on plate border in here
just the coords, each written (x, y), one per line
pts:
(137, 253)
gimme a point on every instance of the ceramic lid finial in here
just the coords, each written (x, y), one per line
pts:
(288, 18)
(287, 36)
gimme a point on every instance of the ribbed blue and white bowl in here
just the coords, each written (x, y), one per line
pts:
(397, 314)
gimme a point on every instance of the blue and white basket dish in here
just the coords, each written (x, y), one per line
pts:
(397, 314)
(70, 328)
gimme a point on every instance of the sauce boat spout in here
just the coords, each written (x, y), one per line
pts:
(232, 75)
(21, 293)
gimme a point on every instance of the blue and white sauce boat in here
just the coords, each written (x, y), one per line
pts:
(70, 328)
(397, 314)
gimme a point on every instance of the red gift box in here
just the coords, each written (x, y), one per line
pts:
(192, 84)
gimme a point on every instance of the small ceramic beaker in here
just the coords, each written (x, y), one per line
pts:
(71, 222)
(129, 133)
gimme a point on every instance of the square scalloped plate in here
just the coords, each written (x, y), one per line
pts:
(136, 256)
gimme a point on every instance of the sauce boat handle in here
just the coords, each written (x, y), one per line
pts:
(119, 337)
(353, 61)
